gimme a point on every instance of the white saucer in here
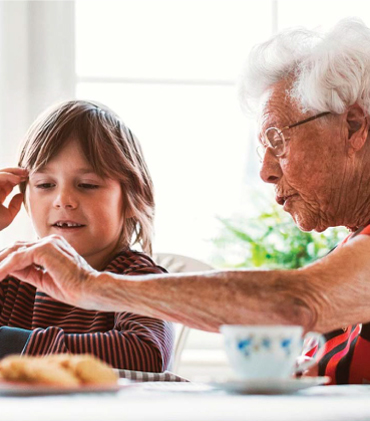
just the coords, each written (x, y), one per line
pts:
(270, 386)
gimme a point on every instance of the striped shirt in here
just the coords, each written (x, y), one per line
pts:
(124, 340)
(347, 351)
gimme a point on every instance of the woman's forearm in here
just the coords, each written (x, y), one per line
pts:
(332, 293)
(207, 300)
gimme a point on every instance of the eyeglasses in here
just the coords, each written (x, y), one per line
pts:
(275, 140)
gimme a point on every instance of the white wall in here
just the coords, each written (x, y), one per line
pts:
(37, 68)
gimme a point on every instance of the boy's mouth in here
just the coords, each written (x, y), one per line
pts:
(69, 225)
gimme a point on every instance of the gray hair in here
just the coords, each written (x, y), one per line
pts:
(330, 71)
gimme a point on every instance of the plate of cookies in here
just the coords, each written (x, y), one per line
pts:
(55, 375)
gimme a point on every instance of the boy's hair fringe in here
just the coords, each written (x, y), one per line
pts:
(111, 149)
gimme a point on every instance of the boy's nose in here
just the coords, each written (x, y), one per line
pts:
(65, 200)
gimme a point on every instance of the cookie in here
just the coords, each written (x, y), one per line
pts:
(60, 370)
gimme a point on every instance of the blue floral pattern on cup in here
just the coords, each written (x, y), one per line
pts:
(249, 344)
(286, 343)
(245, 345)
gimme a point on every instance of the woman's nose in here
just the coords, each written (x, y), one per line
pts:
(65, 199)
(270, 171)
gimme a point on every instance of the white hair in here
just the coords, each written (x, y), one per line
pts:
(330, 71)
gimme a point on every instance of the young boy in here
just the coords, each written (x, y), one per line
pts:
(83, 177)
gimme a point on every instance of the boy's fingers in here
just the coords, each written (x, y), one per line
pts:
(15, 170)
(15, 205)
(7, 177)
(5, 190)
(7, 182)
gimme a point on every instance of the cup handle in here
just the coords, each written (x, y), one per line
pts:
(305, 365)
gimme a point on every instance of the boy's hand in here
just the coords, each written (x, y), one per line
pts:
(9, 178)
(50, 264)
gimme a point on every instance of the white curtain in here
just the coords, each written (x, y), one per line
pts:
(37, 68)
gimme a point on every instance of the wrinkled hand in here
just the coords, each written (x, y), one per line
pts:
(9, 178)
(52, 265)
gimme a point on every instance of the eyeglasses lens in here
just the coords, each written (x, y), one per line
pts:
(275, 141)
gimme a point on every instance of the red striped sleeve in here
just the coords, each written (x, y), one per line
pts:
(2, 294)
(360, 367)
(342, 351)
(143, 345)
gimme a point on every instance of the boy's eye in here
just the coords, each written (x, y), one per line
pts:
(88, 186)
(45, 186)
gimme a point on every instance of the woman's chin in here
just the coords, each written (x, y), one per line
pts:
(306, 224)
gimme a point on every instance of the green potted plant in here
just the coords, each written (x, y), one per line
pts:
(270, 240)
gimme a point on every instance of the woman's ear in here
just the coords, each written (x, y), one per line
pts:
(358, 127)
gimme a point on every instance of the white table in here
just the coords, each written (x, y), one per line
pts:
(137, 403)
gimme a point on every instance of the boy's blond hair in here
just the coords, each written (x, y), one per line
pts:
(111, 149)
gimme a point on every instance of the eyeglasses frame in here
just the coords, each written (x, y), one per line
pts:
(280, 132)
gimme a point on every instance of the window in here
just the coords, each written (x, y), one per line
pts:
(169, 69)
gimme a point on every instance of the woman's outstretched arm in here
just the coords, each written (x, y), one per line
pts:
(326, 295)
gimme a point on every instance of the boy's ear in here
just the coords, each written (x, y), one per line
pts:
(358, 127)
(25, 201)
(129, 213)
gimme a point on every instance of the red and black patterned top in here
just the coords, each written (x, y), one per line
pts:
(124, 340)
(347, 351)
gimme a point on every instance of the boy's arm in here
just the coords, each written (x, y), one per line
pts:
(2, 294)
(135, 343)
(13, 340)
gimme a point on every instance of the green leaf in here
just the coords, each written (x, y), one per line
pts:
(270, 240)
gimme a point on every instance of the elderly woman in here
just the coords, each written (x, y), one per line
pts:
(312, 92)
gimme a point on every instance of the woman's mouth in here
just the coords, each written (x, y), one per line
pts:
(282, 200)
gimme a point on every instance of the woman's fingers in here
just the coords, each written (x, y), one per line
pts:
(20, 251)
(15, 248)
(24, 261)
(18, 244)
(50, 264)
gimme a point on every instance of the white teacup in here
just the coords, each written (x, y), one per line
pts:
(257, 352)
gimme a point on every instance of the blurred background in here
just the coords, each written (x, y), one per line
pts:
(169, 68)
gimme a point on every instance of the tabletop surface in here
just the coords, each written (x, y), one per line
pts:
(160, 401)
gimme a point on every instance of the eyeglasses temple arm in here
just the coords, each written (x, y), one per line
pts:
(306, 120)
